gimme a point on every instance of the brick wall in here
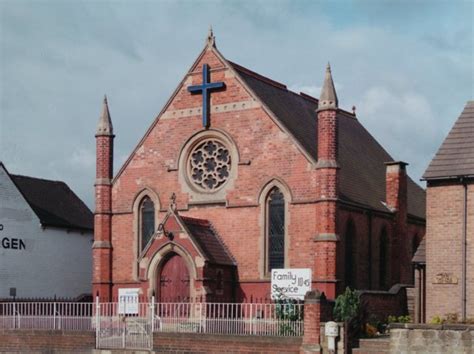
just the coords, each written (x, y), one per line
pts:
(409, 338)
(206, 343)
(444, 249)
(384, 303)
(366, 246)
(46, 341)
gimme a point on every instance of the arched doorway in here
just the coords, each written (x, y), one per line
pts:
(173, 279)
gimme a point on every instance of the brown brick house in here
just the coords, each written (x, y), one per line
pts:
(450, 223)
(261, 178)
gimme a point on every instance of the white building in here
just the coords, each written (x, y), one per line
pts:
(46, 234)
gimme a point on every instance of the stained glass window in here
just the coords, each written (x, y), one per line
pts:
(383, 275)
(350, 255)
(147, 221)
(276, 230)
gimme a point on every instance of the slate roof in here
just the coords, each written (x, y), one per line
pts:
(55, 203)
(361, 157)
(208, 240)
(420, 254)
(455, 156)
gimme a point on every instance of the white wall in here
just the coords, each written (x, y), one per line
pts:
(52, 262)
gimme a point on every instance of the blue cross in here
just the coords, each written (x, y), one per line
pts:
(205, 89)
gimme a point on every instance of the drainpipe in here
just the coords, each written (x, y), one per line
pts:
(464, 254)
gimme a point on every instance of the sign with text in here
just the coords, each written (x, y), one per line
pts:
(11, 243)
(290, 283)
(445, 278)
(128, 301)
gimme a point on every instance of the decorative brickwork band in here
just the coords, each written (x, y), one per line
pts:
(322, 237)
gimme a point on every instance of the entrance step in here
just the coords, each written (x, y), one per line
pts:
(373, 345)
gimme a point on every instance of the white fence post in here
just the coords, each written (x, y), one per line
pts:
(54, 315)
(97, 321)
(124, 324)
(152, 315)
(201, 327)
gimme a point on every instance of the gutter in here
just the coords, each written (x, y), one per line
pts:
(445, 178)
(464, 255)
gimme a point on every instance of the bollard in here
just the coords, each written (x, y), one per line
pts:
(331, 330)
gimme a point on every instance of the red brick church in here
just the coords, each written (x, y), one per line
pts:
(237, 176)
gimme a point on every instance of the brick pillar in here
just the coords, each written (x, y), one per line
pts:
(313, 302)
(400, 243)
(102, 247)
(327, 172)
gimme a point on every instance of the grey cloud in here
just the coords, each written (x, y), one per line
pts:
(59, 58)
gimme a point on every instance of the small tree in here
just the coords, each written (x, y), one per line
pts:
(288, 310)
(347, 306)
(347, 309)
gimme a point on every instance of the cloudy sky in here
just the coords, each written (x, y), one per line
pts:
(406, 65)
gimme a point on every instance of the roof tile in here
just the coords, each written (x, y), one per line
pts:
(55, 203)
(208, 240)
(455, 157)
(361, 157)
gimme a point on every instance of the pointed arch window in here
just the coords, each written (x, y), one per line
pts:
(350, 264)
(147, 221)
(275, 247)
(383, 259)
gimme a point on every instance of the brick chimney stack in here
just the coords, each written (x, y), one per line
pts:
(396, 185)
(397, 201)
(327, 176)
(102, 247)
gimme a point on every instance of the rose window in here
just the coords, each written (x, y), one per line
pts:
(209, 165)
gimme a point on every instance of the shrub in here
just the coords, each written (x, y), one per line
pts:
(347, 306)
(451, 318)
(290, 311)
(436, 320)
(399, 319)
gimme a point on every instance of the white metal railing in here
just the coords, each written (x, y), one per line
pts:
(265, 319)
(67, 316)
(260, 319)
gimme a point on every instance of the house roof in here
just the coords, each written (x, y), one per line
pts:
(361, 158)
(455, 157)
(55, 203)
(420, 254)
(208, 241)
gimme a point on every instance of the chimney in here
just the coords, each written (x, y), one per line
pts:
(396, 186)
(396, 199)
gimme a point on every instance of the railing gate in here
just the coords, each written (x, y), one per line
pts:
(117, 328)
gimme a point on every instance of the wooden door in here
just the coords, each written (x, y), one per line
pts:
(174, 280)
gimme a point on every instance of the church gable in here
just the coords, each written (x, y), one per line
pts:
(237, 120)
